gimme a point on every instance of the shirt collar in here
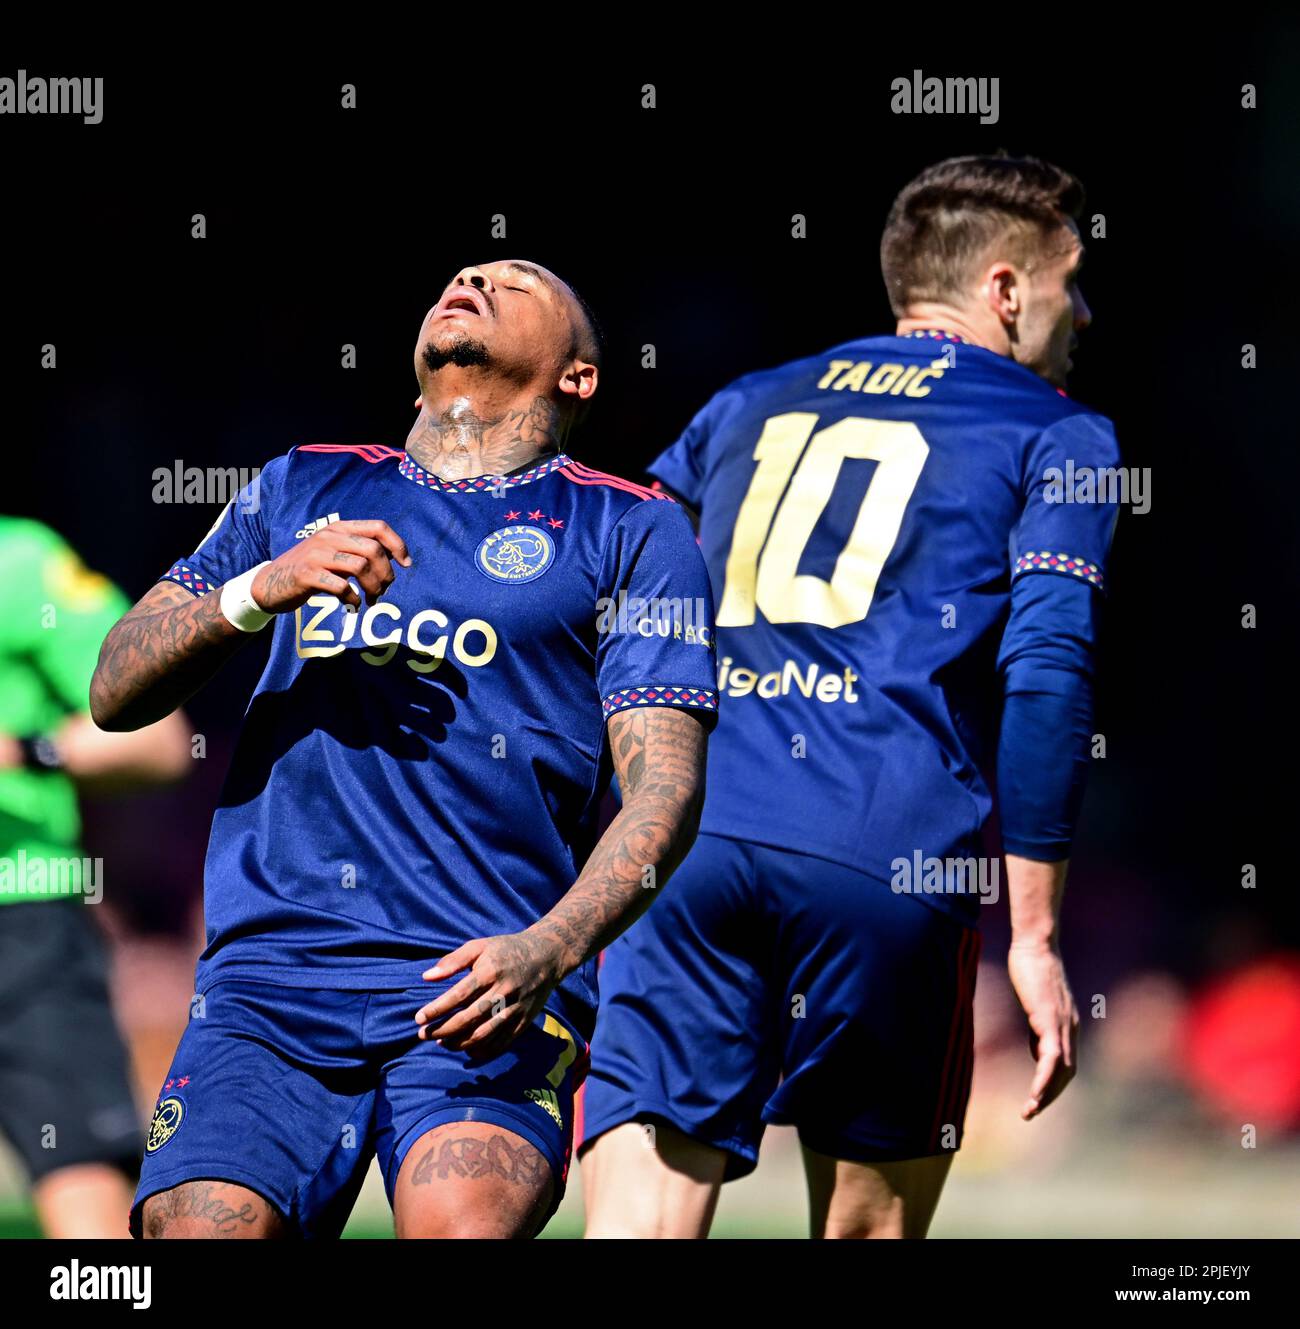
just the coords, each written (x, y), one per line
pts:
(412, 470)
(937, 334)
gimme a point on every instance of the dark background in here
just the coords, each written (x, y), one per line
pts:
(328, 227)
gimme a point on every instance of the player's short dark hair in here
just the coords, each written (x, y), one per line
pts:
(953, 212)
(588, 345)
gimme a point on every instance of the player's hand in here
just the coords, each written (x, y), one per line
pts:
(510, 977)
(1038, 977)
(326, 559)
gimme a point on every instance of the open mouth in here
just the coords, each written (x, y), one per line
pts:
(465, 302)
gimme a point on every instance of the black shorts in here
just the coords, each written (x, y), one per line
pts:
(65, 1090)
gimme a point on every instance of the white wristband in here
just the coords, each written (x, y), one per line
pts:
(238, 605)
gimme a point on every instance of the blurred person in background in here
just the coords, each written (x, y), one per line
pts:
(66, 1104)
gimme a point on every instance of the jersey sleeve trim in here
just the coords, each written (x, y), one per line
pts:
(657, 694)
(184, 575)
(1065, 564)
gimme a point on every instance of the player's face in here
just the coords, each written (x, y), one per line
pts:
(1055, 310)
(512, 316)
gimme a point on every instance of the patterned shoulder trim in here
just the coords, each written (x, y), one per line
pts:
(700, 699)
(1062, 563)
(183, 575)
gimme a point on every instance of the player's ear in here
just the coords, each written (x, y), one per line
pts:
(1001, 288)
(579, 380)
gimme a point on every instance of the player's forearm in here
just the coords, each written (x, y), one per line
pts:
(1047, 661)
(1034, 894)
(659, 757)
(158, 656)
(635, 857)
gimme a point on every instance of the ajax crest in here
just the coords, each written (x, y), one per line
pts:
(166, 1122)
(515, 553)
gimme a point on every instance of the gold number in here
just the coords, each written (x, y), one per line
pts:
(781, 533)
(551, 1025)
(779, 446)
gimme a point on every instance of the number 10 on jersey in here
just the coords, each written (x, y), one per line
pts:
(771, 533)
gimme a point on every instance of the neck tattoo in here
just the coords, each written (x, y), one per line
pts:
(459, 444)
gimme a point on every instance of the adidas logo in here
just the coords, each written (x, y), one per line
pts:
(313, 526)
(547, 1101)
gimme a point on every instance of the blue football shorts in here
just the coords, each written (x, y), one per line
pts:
(771, 986)
(291, 1091)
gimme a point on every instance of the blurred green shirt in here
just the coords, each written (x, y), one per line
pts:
(57, 614)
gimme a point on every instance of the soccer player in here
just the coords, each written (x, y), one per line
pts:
(400, 961)
(902, 595)
(66, 1103)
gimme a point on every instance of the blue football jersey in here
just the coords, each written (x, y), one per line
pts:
(863, 515)
(428, 769)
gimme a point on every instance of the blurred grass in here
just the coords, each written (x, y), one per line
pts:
(18, 1221)
(1116, 1183)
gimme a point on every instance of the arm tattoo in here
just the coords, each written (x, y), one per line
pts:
(659, 757)
(629, 751)
(158, 655)
(281, 582)
(458, 444)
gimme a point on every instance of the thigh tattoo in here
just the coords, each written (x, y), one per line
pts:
(472, 1157)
